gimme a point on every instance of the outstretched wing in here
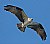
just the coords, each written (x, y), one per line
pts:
(39, 29)
(17, 11)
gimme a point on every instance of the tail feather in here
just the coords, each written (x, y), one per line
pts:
(20, 27)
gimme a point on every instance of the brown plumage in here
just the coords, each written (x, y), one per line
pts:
(20, 14)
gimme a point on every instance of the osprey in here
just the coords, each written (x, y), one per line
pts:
(26, 21)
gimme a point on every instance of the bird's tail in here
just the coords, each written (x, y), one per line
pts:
(20, 27)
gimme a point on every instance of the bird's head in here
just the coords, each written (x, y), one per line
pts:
(30, 19)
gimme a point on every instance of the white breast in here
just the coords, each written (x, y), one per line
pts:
(29, 20)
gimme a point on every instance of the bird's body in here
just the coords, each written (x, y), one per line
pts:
(26, 21)
(29, 20)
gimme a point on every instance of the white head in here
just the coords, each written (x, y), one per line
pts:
(30, 19)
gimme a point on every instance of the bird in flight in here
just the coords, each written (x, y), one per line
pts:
(25, 21)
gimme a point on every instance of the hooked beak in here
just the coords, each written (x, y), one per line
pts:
(32, 18)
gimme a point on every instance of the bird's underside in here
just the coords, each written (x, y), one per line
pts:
(26, 21)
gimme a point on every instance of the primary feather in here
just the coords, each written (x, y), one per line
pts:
(20, 14)
(39, 29)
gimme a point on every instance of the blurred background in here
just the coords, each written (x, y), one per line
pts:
(39, 10)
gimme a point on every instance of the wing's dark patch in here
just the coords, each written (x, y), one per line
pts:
(19, 8)
(14, 6)
(20, 18)
(42, 33)
(39, 29)
(17, 11)
(41, 26)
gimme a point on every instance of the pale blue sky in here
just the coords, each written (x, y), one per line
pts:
(39, 10)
